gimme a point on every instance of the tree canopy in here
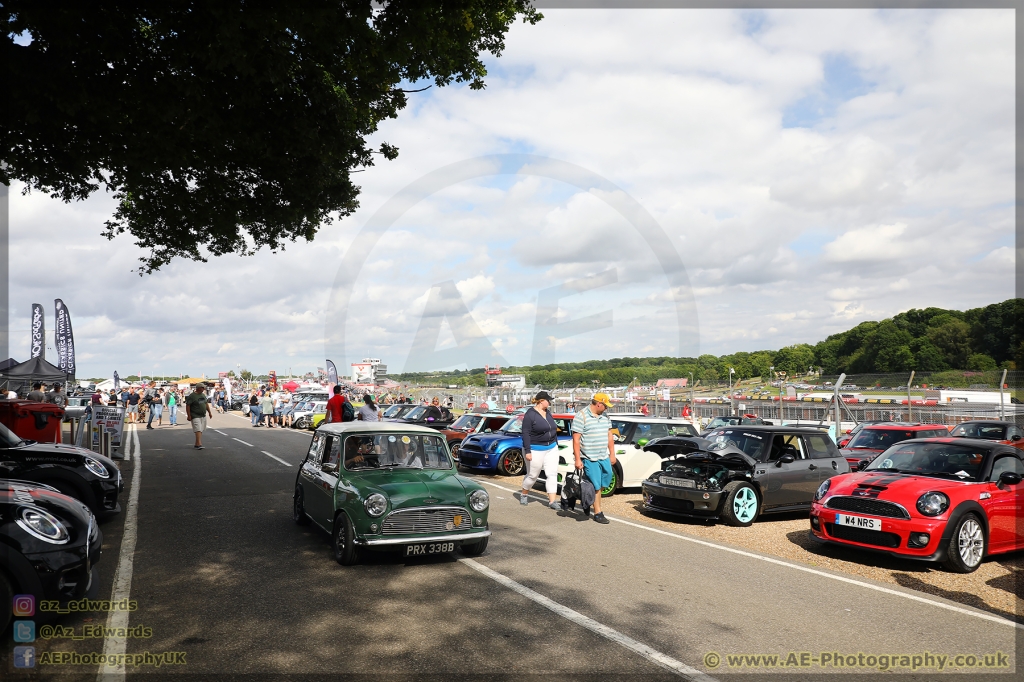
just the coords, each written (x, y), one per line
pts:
(224, 127)
(928, 340)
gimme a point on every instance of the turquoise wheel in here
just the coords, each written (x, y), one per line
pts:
(741, 504)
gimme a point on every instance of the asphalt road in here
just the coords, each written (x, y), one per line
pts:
(221, 573)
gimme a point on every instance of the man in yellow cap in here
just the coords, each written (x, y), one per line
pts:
(593, 447)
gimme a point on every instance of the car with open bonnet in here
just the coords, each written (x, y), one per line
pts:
(385, 486)
(743, 472)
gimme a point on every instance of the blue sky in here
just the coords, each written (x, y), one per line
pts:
(811, 169)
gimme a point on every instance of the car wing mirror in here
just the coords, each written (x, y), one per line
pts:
(487, 430)
(329, 468)
(1015, 437)
(430, 419)
(863, 465)
(785, 459)
(1008, 478)
(642, 442)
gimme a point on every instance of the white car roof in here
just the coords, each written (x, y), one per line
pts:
(649, 420)
(376, 427)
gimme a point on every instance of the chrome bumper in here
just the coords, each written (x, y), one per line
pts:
(476, 535)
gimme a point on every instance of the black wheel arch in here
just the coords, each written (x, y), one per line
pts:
(965, 507)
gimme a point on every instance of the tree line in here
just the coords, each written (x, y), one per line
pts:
(925, 340)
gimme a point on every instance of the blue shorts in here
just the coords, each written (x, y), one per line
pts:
(599, 472)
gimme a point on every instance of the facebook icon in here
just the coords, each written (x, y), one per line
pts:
(24, 657)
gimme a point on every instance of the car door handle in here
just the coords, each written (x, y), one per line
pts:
(811, 467)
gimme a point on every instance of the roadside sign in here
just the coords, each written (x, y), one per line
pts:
(110, 419)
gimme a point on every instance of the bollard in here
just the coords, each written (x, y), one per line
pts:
(105, 443)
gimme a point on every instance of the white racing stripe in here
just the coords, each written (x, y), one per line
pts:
(242, 442)
(878, 588)
(275, 457)
(663, 660)
(113, 646)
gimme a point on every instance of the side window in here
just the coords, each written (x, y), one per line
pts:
(784, 444)
(495, 423)
(817, 447)
(658, 431)
(1005, 463)
(564, 427)
(681, 430)
(333, 453)
(1012, 431)
(316, 449)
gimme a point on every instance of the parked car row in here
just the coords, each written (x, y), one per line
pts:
(51, 496)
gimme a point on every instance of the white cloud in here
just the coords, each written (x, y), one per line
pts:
(905, 181)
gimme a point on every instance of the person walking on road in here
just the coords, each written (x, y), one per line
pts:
(368, 412)
(254, 408)
(171, 401)
(156, 409)
(197, 408)
(540, 448)
(335, 407)
(593, 447)
(132, 408)
(267, 405)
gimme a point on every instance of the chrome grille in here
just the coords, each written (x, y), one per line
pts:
(426, 520)
(866, 505)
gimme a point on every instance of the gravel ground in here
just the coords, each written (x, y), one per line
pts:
(997, 586)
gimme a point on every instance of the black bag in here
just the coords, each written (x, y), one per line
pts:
(348, 413)
(571, 489)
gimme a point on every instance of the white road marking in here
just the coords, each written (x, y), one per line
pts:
(275, 457)
(806, 569)
(113, 646)
(219, 431)
(663, 660)
(242, 442)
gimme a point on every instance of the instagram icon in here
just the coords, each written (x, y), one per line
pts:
(24, 605)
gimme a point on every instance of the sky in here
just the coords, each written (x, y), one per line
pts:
(629, 183)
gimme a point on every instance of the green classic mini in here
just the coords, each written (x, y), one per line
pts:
(388, 487)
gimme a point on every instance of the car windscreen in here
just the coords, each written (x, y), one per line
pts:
(753, 444)
(467, 421)
(514, 425)
(723, 421)
(8, 439)
(879, 439)
(392, 411)
(984, 431)
(401, 451)
(415, 413)
(935, 459)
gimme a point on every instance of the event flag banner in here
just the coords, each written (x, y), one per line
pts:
(110, 419)
(332, 373)
(38, 332)
(64, 338)
(117, 381)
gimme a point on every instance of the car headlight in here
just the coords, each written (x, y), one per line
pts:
(96, 467)
(822, 489)
(43, 525)
(493, 446)
(932, 504)
(479, 500)
(376, 504)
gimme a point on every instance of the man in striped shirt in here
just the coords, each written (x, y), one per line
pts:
(594, 448)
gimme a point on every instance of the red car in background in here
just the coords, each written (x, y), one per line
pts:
(952, 500)
(472, 423)
(1006, 433)
(872, 440)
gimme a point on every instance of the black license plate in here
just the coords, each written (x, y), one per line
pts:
(429, 548)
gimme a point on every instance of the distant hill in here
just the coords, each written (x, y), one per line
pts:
(929, 340)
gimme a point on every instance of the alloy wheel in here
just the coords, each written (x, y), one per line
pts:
(744, 504)
(971, 542)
